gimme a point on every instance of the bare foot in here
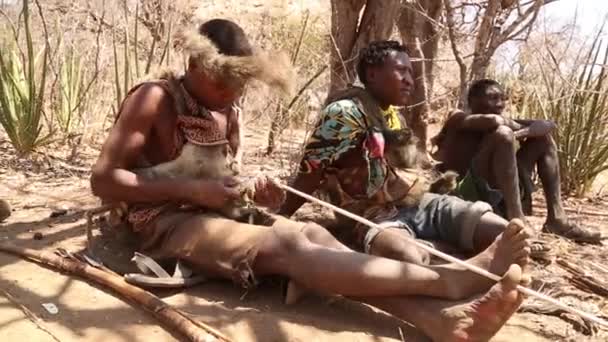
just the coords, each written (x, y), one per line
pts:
(510, 247)
(473, 320)
(481, 318)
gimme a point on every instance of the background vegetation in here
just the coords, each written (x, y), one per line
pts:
(65, 66)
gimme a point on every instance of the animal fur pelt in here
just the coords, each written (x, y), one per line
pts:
(272, 68)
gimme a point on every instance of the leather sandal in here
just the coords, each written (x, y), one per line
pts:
(153, 275)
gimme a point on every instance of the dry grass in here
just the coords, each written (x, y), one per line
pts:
(108, 45)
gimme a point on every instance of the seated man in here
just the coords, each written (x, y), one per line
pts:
(345, 157)
(155, 120)
(492, 153)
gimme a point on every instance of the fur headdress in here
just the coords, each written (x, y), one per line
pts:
(273, 69)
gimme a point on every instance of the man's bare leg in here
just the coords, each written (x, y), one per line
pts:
(490, 245)
(472, 320)
(542, 153)
(490, 226)
(496, 163)
(392, 243)
(475, 320)
(513, 242)
(497, 242)
(341, 271)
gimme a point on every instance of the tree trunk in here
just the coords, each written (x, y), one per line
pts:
(481, 55)
(349, 35)
(430, 39)
(377, 22)
(479, 68)
(344, 27)
(418, 31)
(462, 67)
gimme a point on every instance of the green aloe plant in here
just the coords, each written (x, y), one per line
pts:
(71, 97)
(23, 78)
(578, 103)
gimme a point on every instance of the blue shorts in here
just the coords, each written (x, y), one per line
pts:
(437, 217)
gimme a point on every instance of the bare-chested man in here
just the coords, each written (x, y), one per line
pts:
(492, 152)
(172, 217)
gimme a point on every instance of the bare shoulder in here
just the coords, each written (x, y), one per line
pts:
(454, 119)
(139, 113)
(456, 114)
(146, 103)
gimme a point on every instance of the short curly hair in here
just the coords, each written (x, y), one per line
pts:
(478, 88)
(375, 54)
(229, 38)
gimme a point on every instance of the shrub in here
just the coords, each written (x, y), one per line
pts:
(23, 78)
(577, 101)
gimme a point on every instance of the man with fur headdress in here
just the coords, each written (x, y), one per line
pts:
(173, 219)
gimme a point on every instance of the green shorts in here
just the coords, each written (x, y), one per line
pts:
(475, 188)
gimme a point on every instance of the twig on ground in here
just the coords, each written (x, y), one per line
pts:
(539, 308)
(583, 279)
(29, 314)
(165, 313)
(61, 163)
(599, 267)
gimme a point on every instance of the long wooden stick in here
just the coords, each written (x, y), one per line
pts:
(166, 314)
(450, 258)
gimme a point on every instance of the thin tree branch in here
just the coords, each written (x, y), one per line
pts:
(39, 323)
(512, 31)
(449, 18)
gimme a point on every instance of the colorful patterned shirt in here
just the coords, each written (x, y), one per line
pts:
(343, 127)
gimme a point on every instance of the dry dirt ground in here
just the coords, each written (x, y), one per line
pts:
(90, 313)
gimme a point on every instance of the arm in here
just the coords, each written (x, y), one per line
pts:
(111, 180)
(305, 182)
(487, 122)
(534, 128)
(235, 135)
(327, 144)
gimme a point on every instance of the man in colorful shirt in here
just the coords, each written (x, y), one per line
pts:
(345, 156)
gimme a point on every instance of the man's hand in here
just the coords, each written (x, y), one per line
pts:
(268, 193)
(214, 194)
(505, 120)
(535, 129)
